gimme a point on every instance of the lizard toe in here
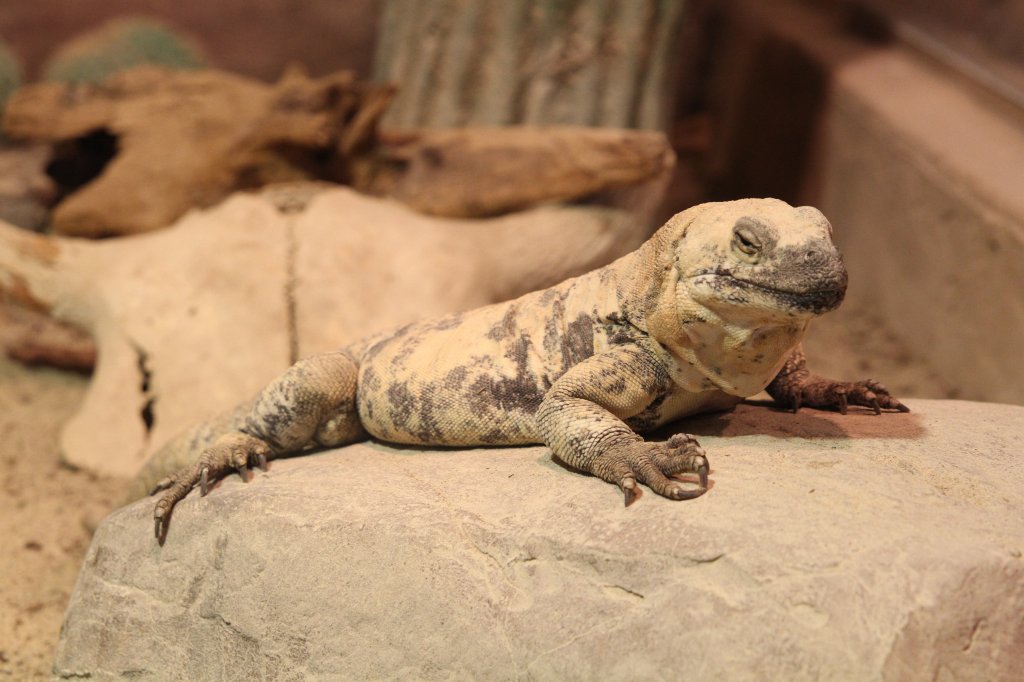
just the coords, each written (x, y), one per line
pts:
(232, 452)
(670, 488)
(630, 490)
(681, 454)
(659, 462)
(870, 394)
(654, 465)
(161, 517)
(163, 484)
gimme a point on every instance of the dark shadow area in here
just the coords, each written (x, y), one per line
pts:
(292, 162)
(78, 162)
(767, 152)
(765, 418)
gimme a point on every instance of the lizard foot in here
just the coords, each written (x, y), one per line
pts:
(653, 464)
(840, 395)
(234, 451)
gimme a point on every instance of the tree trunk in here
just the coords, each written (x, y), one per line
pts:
(504, 62)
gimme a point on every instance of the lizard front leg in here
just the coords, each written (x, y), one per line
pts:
(795, 387)
(313, 403)
(581, 415)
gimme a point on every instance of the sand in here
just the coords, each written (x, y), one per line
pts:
(44, 511)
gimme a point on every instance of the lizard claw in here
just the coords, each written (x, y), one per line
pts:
(161, 515)
(870, 394)
(702, 473)
(230, 452)
(656, 465)
(163, 484)
(629, 490)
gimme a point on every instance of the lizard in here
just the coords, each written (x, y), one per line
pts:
(712, 309)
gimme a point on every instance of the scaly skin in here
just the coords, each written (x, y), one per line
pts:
(796, 387)
(710, 310)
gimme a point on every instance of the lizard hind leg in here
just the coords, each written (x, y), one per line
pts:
(341, 427)
(313, 403)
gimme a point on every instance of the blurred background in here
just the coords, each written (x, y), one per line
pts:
(900, 119)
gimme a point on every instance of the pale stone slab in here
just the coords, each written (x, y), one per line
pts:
(191, 320)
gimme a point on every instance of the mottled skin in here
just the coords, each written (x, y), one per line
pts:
(712, 309)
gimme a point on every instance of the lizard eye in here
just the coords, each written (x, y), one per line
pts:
(746, 241)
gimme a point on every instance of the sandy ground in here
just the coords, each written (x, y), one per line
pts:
(46, 508)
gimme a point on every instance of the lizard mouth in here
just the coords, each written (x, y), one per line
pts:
(730, 288)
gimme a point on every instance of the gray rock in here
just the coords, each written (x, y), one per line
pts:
(829, 547)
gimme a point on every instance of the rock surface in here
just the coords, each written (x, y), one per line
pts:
(829, 547)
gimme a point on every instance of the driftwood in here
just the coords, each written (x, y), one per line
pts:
(460, 173)
(150, 144)
(475, 172)
(34, 338)
(183, 139)
(195, 318)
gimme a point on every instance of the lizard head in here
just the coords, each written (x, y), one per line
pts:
(730, 289)
(762, 256)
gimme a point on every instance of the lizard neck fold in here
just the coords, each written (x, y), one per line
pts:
(640, 277)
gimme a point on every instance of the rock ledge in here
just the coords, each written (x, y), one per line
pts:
(861, 547)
